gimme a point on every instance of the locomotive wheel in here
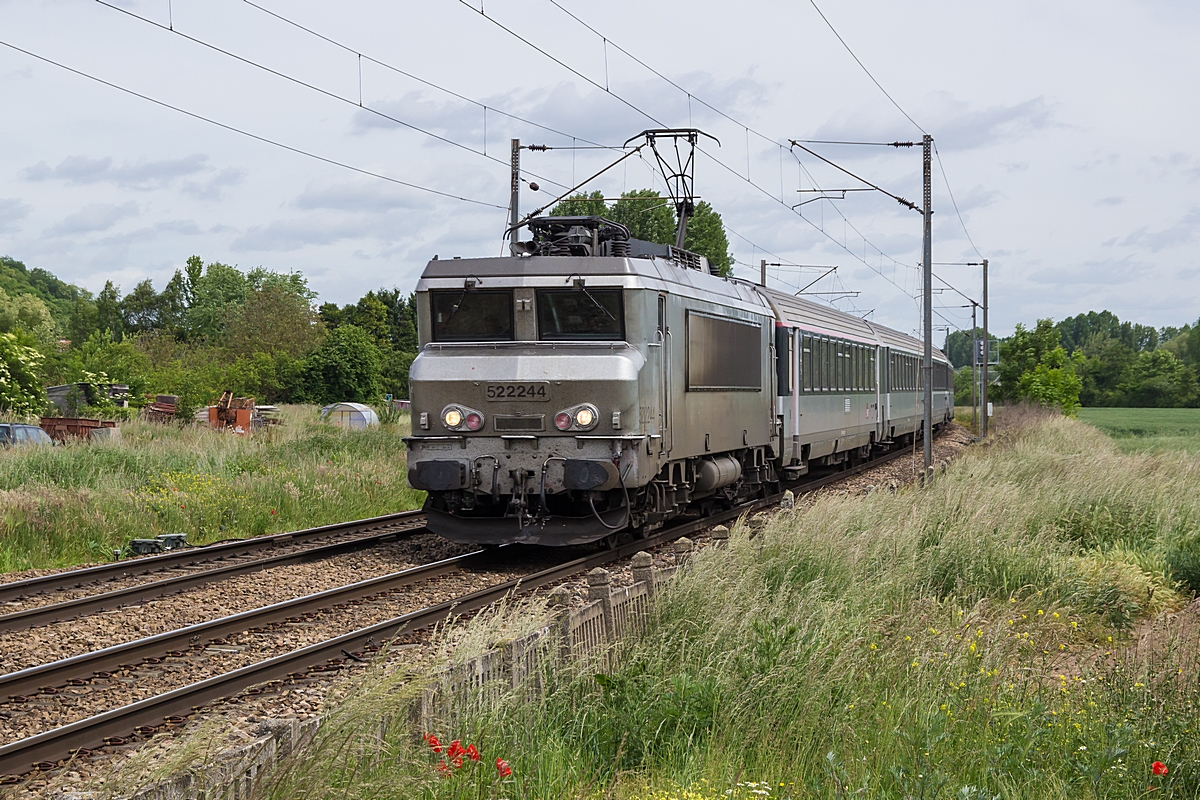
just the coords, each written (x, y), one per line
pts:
(610, 542)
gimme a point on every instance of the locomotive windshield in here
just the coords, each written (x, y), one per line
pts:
(472, 315)
(580, 314)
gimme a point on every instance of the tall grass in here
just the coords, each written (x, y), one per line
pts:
(971, 639)
(77, 503)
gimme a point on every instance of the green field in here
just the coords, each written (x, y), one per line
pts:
(1148, 429)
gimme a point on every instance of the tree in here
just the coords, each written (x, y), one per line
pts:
(648, 216)
(1035, 367)
(140, 308)
(1157, 379)
(26, 312)
(706, 235)
(1106, 361)
(21, 391)
(346, 367)
(273, 320)
(108, 310)
(581, 205)
(214, 295)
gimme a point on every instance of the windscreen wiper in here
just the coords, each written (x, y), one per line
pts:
(579, 285)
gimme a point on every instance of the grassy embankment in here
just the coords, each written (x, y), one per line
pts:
(77, 503)
(968, 640)
(1148, 429)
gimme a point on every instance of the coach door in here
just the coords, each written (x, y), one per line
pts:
(664, 371)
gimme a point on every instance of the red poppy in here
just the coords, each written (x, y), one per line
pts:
(272, 512)
(503, 768)
(1159, 768)
(455, 749)
(472, 753)
(433, 742)
(443, 768)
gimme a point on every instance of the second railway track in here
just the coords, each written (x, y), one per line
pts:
(217, 659)
(52, 587)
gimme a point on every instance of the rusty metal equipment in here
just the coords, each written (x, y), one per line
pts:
(234, 413)
(63, 428)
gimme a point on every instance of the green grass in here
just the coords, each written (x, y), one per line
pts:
(1148, 429)
(971, 639)
(77, 503)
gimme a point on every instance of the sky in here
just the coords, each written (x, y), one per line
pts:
(1064, 132)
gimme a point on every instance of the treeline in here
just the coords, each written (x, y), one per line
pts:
(211, 328)
(1091, 359)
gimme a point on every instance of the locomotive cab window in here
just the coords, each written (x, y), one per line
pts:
(593, 314)
(472, 315)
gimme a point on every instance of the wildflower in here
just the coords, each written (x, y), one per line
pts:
(455, 750)
(503, 768)
(1159, 768)
(443, 767)
(471, 752)
(273, 512)
(433, 742)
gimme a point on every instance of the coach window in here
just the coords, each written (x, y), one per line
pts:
(826, 365)
(472, 315)
(858, 367)
(844, 365)
(807, 365)
(871, 369)
(574, 314)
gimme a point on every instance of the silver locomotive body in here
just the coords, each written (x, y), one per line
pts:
(601, 383)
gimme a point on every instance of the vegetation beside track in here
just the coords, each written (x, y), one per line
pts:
(968, 640)
(77, 503)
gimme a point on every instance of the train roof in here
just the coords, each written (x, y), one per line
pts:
(633, 271)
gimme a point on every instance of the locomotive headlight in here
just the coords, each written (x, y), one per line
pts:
(452, 417)
(585, 417)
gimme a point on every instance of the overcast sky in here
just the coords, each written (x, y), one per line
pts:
(1067, 131)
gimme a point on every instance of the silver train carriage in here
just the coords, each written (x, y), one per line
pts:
(598, 383)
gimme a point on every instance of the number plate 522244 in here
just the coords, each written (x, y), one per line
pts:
(518, 391)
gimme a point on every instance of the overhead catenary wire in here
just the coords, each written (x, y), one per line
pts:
(240, 131)
(858, 61)
(312, 87)
(426, 81)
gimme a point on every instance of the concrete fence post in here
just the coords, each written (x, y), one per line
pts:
(559, 602)
(600, 589)
(643, 570)
(683, 551)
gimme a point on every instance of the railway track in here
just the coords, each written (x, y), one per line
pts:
(45, 750)
(73, 580)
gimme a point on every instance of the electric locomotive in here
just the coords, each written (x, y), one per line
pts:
(595, 383)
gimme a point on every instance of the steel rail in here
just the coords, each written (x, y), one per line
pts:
(80, 606)
(33, 680)
(73, 579)
(51, 746)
